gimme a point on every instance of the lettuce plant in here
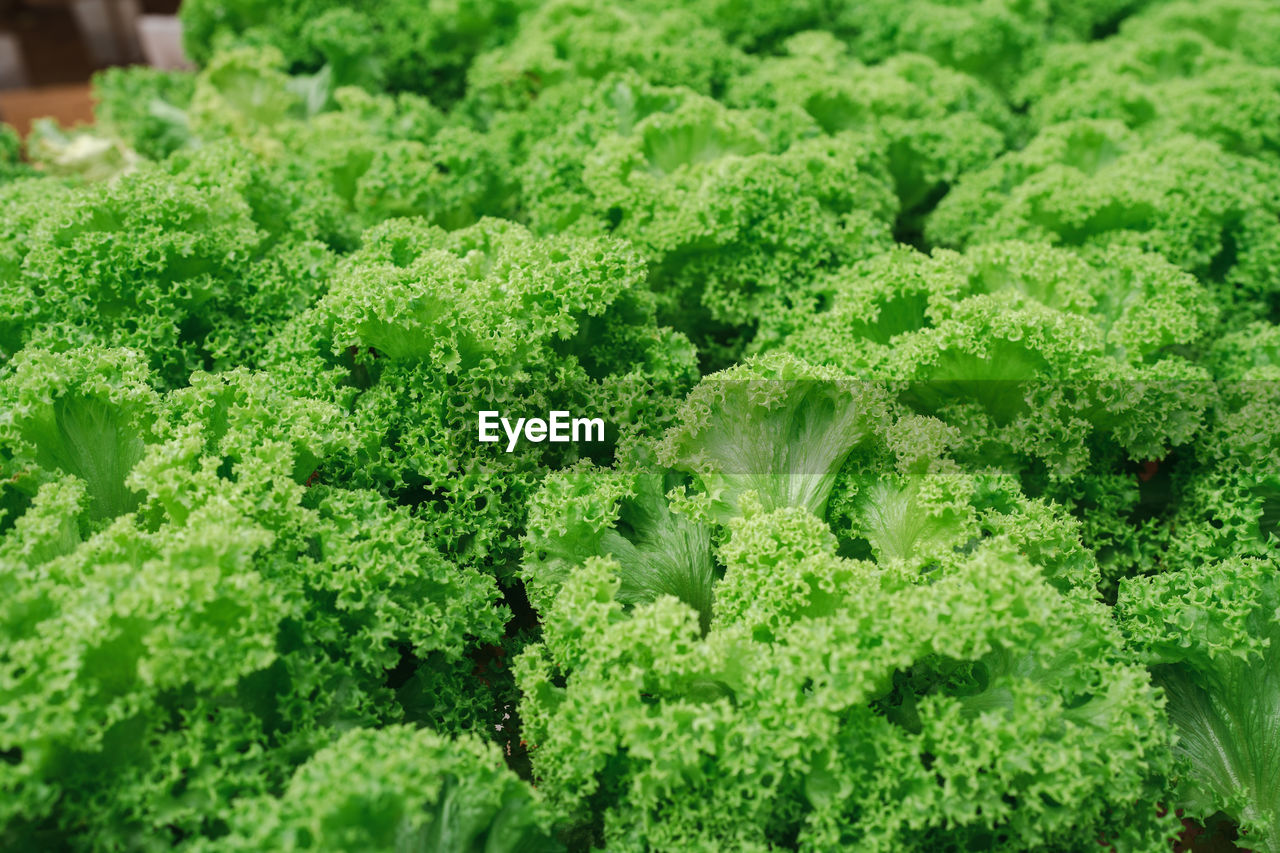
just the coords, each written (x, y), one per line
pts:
(935, 350)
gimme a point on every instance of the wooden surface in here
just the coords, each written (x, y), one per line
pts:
(68, 104)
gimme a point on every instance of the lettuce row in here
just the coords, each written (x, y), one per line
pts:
(941, 494)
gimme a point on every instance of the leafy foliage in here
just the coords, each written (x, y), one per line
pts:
(938, 349)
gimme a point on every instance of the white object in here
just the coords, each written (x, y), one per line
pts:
(161, 38)
(109, 29)
(13, 72)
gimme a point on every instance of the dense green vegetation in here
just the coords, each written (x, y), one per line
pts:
(939, 506)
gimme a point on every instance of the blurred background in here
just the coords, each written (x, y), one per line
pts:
(50, 48)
